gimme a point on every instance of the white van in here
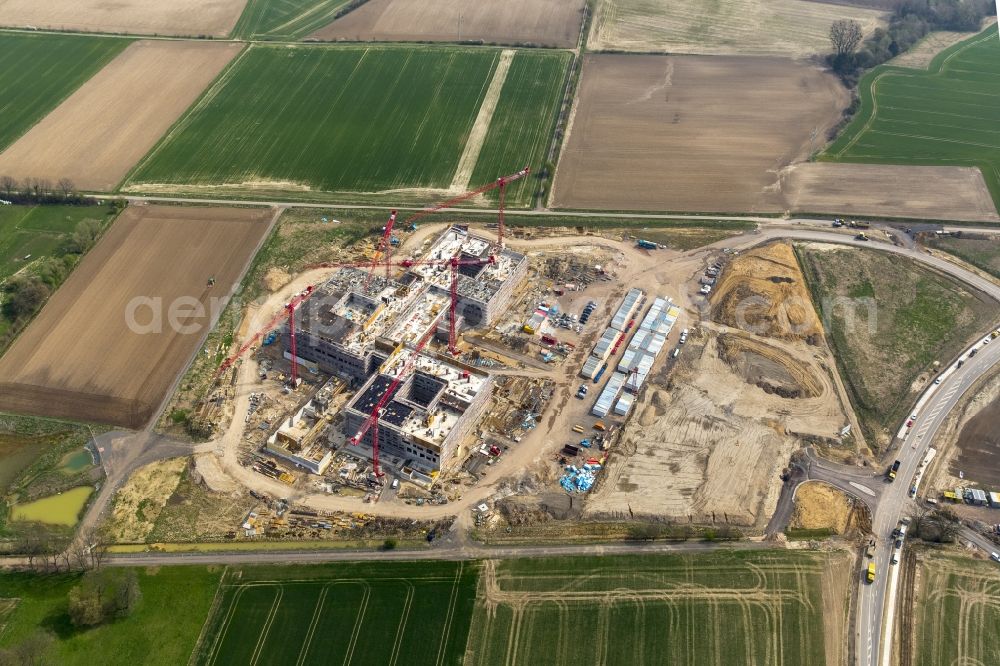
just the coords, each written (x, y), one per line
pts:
(395, 484)
(677, 352)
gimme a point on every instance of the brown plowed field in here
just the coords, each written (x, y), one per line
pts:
(929, 192)
(542, 22)
(691, 133)
(137, 17)
(106, 126)
(79, 358)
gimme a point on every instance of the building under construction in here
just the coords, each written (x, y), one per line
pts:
(355, 320)
(356, 326)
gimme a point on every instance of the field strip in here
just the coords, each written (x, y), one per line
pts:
(317, 612)
(398, 642)
(267, 626)
(449, 618)
(349, 655)
(213, 609)
(220, 637)
(477, 136)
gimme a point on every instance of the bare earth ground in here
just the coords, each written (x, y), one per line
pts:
(79, 359)
(930, 192)
(691, 132)
(920, 55)
(146, 17)
(795, 28)
(542, 22)
(818, 505)
(712, 447)
(138, 503)
(109, 123)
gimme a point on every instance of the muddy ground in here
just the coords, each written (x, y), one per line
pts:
(82, 358)
(660, 132)
(104, 128)
(528, 22)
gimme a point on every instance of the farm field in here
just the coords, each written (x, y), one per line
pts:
(721, 608)
(111, 121)
(888, 319)
(351, 613)
(890, 190)
(945, 116)
(520, 22)
(161, 632)
(659, 133)
(145, 17)
(955, 610)
(285, 19)
(63, 365)
(347, 122)
(37, 72)
(795, 28)
(921, 54)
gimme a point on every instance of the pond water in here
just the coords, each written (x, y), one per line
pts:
(62, 509)
(76, 462)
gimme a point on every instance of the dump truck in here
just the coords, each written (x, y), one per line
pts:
(891, 474)
(870, 574)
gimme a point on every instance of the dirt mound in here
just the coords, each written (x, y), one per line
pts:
(768, 368)
(819, 506)
(275, 278)
(762, 291)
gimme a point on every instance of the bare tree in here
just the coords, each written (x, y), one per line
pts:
(845, 35)
(65, 186)
(8, 185)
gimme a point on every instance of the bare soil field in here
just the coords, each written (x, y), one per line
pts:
(818, 506)
(80, 358)
(712, 447)
(795, 28)
(691, 133)
(929, 192)
(109, 123)
(140, 17)
(539, 22)
(970, 440)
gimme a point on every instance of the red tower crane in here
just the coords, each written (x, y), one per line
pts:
(502, 184)
(371, 423)
(384, 249)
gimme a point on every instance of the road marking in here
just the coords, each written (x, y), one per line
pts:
(864, 489)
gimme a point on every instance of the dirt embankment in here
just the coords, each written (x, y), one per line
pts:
(139, 502)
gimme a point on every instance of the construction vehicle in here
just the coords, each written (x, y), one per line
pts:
(211, 281)
(891, 474)
(646, 245)
(870, 551)
(599, 425)
(870, 574)
(861, 236)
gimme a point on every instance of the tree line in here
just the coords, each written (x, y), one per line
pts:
(910, 21)
(42, 191)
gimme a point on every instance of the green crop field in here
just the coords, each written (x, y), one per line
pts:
(38, 231)
(523, 122)
(357, 613)
(285, 19)
(37, 72)
(956, 612)
(949, 115)
(347, 123)
(719, 608)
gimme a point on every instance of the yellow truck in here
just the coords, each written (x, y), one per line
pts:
(870, 576)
